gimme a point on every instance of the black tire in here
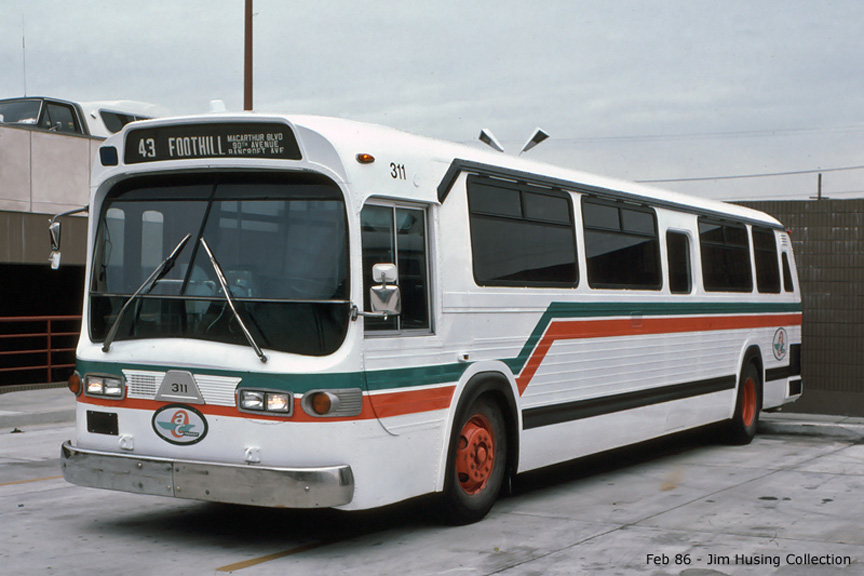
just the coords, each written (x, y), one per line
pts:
(741, 429)
(476, 462)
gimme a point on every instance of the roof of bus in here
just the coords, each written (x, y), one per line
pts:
(352, 136)
(349, 138)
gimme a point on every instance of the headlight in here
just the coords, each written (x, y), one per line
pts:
(251, 400)
(103, 386)
(266, 401)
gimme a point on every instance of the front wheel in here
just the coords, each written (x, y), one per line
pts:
(742, 427)
(476, 463)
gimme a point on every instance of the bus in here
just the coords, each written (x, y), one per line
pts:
(302, 312)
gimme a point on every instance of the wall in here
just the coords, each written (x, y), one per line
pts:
(829, 252)
(43, 172)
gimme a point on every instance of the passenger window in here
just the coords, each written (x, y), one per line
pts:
(767, 270)
(678, 253)
(521, 235)
(725, 256)
(392, 234)
(621, 245)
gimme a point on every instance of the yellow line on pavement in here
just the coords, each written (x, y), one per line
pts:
(31, 480)
(274, 556)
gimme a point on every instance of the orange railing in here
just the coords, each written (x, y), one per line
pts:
(37, 348)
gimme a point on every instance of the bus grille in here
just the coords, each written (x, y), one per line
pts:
(218, 390)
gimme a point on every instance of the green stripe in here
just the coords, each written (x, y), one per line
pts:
(393, 378)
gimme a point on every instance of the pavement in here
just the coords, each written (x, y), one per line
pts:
(31, 407)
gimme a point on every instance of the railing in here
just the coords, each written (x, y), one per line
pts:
(36, 348)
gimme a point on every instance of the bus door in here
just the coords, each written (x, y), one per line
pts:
(394, 347)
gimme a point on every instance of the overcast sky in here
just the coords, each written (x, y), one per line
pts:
(642, 90)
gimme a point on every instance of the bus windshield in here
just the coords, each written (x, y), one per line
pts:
(280, 240)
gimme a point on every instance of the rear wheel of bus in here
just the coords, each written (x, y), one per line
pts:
(742, 427)
(476, 462)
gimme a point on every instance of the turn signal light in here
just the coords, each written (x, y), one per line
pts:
(365, 158)
(74, 383)
(322, 402)
(333, 403)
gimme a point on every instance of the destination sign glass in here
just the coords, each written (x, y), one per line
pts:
(263, 140)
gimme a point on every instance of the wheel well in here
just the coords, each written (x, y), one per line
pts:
(754, 356)
(496, 387)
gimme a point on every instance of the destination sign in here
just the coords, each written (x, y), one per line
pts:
(221, 140)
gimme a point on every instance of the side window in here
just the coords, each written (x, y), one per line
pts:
(621, 245)
(521, 235)
(60, 118)
(788, 285)
(765, 252)
(678, 253)
(397, 234)
(725, 256)
(115, 121)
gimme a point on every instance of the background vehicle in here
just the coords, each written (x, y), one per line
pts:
(85, 118)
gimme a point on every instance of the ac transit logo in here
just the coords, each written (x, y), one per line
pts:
(179, 424)
(780, 345)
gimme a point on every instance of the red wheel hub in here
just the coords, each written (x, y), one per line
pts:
(748, 402)
(475, 455)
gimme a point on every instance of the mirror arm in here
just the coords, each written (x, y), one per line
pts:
(69, 213)
(356, 313)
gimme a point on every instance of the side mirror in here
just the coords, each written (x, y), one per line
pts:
(385, 299)
(54, 232)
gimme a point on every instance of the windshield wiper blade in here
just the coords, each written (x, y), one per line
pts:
(227, 292)
(161, 270)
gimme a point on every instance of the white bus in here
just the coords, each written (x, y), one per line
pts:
(311, 312)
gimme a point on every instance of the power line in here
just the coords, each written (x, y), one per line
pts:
(742, 176)
(767, 133)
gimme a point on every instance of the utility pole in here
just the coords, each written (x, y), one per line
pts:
(819, 190)
(24, 54)
(247, 60)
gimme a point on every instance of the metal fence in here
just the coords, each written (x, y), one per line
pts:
(37, 349)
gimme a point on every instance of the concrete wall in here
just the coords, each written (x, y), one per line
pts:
(43, 172)
(828, 239)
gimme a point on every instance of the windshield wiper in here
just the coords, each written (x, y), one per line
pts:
(161, 270)
(226, 290)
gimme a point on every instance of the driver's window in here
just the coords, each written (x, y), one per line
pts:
(397, 234)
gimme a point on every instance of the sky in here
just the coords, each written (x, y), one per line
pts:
(692, 93)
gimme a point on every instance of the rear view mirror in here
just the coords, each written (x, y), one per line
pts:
(54, 232)
(385, 299)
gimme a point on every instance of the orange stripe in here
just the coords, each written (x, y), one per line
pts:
(580, 329)
(400, 403)
(30, 480)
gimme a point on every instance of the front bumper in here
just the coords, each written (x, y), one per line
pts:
(321, 487)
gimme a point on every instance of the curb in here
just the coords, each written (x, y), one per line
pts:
(848, 431)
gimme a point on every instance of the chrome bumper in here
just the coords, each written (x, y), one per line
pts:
(253, 485)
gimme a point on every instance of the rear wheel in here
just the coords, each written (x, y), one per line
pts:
(476, 462)
(742, 427)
